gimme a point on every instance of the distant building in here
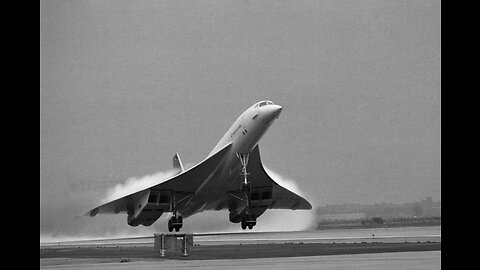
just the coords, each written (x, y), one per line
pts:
(430, 208)
(341, 216)
(423, 208)
(373, 221)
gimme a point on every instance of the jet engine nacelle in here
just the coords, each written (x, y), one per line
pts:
(148, 208)
(261, 198)
(145, 218)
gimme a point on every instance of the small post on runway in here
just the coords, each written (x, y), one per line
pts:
(162, 245)
(185, 245)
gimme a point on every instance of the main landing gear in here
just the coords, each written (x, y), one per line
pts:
(249, 220)
(176, 221)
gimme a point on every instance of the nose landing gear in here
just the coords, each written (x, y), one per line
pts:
(246, 187)
(248, 220)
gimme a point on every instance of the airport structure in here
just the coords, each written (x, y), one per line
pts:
(425, 212)
(173, 244)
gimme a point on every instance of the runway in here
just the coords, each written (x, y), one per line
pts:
(374, 261)
(380, 246)
(251, 237)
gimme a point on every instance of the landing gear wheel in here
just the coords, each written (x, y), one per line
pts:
(175, 223)
(249, 221)
(180, 220)
(170, 226)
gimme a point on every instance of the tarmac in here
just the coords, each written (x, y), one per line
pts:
(373, 261)
(412, 249)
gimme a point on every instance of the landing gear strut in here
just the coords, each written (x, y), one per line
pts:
(246, 187)
(248, 220)
(176, 221)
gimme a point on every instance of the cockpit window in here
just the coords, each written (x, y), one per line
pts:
(263, 103)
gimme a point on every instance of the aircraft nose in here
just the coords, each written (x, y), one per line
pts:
(274, 112)
(277, 109)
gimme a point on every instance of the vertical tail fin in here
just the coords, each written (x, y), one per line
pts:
(177, 163)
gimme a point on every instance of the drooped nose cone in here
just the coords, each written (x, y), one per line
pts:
(277, 110)
(274, 112)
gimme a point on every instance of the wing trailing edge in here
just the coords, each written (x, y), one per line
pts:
(282, 198)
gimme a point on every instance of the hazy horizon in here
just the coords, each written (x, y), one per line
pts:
(124, 85)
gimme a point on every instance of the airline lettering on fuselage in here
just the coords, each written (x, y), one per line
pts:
(235, 131)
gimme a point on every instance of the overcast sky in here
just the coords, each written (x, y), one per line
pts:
(126, 84)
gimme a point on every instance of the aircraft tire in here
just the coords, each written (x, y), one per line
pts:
(180, 220)
(170, 226)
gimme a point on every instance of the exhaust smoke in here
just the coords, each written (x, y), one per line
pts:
(134, 184)
(286, 219)
(271, 220)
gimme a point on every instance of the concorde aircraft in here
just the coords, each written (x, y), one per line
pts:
(231, 178)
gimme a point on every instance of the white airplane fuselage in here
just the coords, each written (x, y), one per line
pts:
(249, 127)
(244, 135)
(231, 178)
